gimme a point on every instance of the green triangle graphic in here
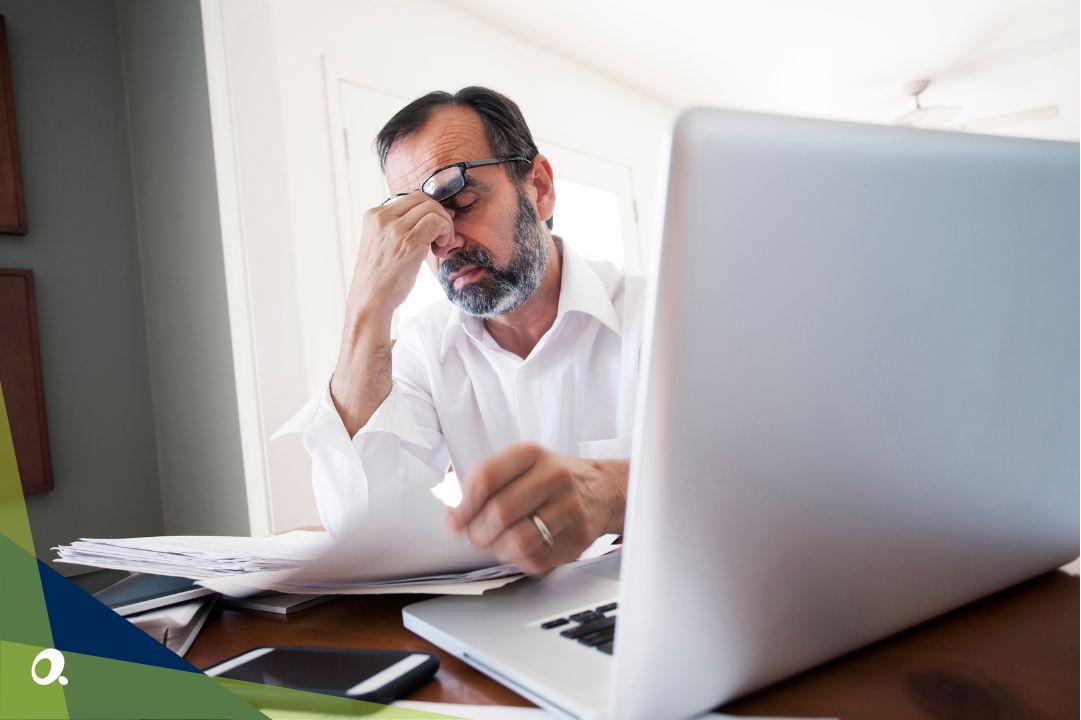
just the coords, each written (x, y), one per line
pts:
(20, 696)
(23, 616)
(97, 687)
(106, 688)
(13, 520)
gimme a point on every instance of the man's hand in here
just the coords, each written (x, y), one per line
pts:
(577, 500)
(394, 240)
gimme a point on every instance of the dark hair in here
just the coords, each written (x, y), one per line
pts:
(508, 134)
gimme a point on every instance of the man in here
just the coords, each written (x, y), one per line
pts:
(524, 382)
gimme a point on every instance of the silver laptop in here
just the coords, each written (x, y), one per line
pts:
(860, 411)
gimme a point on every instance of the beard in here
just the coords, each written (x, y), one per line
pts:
(501, 289)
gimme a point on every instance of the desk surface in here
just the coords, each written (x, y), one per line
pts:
(1012, 655)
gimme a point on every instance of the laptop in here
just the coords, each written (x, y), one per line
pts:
(860, 411)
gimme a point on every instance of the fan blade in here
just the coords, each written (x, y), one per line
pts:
(935, 116)
(1015, 118)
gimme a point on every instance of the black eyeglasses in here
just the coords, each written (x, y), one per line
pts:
(449, 180)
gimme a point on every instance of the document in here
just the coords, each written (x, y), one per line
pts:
(407, 548)
(283, 581)
(197, 557)
(404, 548)
(408, 537)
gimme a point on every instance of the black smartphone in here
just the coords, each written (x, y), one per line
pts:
(380, 676)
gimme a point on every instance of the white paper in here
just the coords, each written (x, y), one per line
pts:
(406, 538)
(601, 546)
(405, 547)
(278, 581)
(197, 557)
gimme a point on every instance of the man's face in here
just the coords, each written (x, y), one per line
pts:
(499, 252)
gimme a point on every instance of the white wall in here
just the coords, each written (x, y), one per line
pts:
(279, 120)
(180, 245)
(72, 128)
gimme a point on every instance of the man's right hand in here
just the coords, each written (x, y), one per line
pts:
(394, 241)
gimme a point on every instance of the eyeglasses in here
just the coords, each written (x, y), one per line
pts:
(449, 180)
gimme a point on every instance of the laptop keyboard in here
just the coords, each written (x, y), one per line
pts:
(595, 628)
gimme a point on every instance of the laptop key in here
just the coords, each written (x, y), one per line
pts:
(586, 616)
(598, 638)
(590, 627)
(554, 623)
(607, 608)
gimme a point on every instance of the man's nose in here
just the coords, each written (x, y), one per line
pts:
(446, 246)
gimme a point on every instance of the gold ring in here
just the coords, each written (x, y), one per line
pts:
(545, 533)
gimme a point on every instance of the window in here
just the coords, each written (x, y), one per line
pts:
(589, 219)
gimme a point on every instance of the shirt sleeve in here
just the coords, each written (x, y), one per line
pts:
(400, 447)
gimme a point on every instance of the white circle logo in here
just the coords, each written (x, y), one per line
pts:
(56, 666)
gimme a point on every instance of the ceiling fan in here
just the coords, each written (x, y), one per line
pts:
(941, 116)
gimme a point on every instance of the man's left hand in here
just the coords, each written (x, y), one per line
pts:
(576, 500)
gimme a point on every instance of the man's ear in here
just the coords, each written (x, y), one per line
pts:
(543, 183)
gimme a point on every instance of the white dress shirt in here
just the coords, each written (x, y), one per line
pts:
(457, 397)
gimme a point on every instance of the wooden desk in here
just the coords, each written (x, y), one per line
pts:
(1012, 655)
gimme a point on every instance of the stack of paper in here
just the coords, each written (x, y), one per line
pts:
(297, 583)
(301, 562)
(197, 557)
(405, 547)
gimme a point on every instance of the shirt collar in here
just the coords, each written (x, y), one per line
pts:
(580, 290)
(457, 321)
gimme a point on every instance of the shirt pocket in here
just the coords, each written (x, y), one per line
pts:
(614, 449)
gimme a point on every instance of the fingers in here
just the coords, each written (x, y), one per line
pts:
(394, 241)
(503, 494)
(414, 221)
(488, 478)
(522, 544)
(513, 502)
(416, 208)
(421, 223)
(405, 204)
(428, 229)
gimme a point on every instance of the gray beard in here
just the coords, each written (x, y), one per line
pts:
(501, 290)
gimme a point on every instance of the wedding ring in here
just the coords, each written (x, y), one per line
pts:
(545, 533)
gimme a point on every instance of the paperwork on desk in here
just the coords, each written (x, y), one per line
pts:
(195, 556)
(310, 563)
(405, 548)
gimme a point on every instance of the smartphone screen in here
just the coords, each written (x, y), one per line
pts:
(360, 674)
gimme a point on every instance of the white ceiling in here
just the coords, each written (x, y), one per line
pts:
(830, 58)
